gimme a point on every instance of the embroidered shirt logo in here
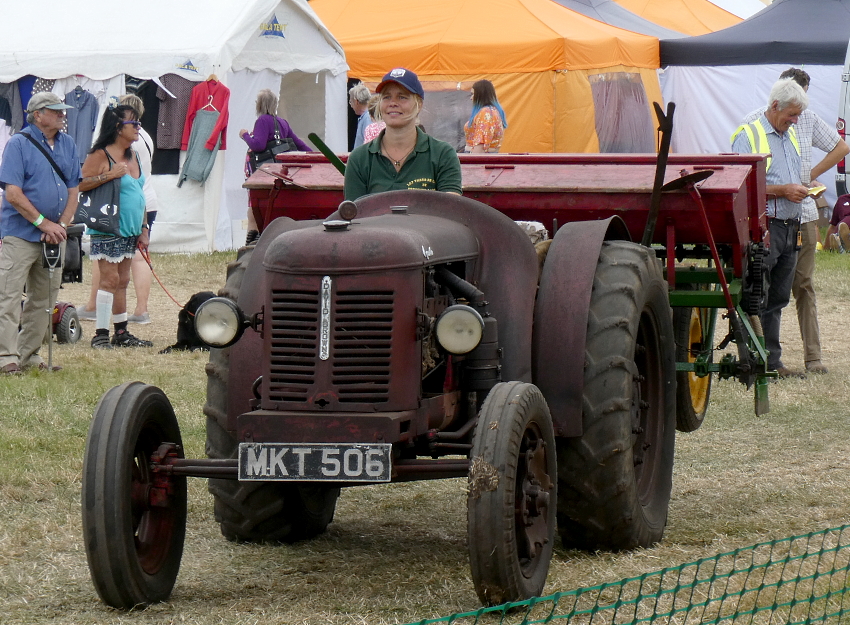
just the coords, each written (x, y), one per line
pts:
(188, 66)
(422, 183)
(273, 28)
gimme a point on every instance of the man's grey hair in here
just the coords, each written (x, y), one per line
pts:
(360, 92)
(788, 93)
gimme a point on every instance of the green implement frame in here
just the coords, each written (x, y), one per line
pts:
(750, 365)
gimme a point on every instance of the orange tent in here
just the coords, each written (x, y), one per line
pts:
(691, 17)
(540, 56)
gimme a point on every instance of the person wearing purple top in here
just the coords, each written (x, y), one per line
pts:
(257, 140)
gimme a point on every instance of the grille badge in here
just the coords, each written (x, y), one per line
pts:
(325, 324)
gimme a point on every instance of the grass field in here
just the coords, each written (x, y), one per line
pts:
(397, 552)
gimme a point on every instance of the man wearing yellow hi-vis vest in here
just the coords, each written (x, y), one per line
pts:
(812, 132)
(773, 134)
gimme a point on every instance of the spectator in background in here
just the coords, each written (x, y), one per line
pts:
(486, 126)
(258, 139)
(811, 131)
(112, 157)
(139, 269)
(375, 128)
(773, 133)
(38, 205)
(838, 233)
(358, 99)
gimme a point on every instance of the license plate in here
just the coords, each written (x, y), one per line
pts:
(315, 462)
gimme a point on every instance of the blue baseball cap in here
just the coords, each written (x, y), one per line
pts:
(405, 78)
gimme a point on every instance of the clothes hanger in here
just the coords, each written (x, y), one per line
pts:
(209, 104)
(212, 78)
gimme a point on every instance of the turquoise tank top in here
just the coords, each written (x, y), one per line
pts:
(132, 203)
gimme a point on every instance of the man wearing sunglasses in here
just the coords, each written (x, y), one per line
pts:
(41, 175)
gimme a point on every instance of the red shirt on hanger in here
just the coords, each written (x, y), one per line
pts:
(209, 95)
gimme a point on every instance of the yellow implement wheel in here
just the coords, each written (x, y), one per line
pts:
(692, 328)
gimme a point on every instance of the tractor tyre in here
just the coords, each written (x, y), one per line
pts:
(134, 520)
(312, 509)
(692, 327)
(614, 481)
(512, 495)
(255, 511)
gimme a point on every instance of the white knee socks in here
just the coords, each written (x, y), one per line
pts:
(103, 310)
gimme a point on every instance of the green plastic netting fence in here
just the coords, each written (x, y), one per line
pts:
(801, 579)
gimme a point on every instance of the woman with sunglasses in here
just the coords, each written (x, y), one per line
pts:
(113, 157)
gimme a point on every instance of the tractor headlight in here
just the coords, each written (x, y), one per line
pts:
(219, 322)
(459, 329)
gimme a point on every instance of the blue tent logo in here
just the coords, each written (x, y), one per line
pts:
(189, 66)
(272, 28)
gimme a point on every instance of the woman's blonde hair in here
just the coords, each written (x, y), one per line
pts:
(375, 107)
(133, 100)
(266, 102)
(420, 102)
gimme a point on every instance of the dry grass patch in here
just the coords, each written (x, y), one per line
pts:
(397, 552)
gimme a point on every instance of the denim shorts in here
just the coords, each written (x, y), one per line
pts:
(112, 249)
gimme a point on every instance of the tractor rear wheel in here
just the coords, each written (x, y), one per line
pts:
(512, 494)
(134, 519)
(615, 480)
(256, 511)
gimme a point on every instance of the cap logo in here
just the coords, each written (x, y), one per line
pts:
(397, 73)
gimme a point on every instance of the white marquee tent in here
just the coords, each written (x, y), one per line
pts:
(249, 45)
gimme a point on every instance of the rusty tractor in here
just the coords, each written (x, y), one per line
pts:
(416, 335)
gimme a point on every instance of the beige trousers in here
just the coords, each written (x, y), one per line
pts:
(803, 290)
(20, 265)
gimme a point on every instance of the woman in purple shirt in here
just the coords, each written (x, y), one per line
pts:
(264, 129)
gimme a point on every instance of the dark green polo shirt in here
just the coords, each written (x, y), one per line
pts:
(433, 164)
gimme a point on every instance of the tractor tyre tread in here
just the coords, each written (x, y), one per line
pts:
(598, 502)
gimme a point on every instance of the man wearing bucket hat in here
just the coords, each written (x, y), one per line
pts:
(40, 173)
(403, 156)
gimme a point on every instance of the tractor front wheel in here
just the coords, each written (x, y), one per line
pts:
(512, 494)
(134, 518)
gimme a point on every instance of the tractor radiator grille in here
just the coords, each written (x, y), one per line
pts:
(294, 341)
(361, 346)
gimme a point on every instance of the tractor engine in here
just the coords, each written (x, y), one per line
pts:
(375, 316)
